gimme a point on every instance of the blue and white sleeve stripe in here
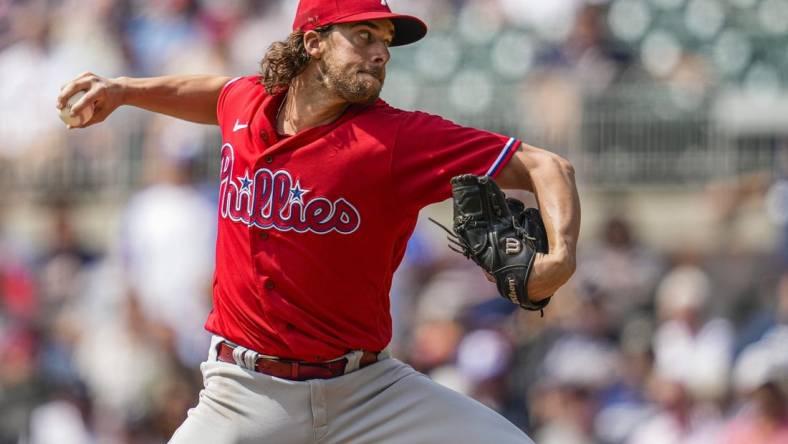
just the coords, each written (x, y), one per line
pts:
(503, 157)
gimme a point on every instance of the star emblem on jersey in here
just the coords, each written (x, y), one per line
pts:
(245, 181)
(239, 126)
(297, 193)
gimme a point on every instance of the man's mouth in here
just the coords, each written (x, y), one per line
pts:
(376, 73)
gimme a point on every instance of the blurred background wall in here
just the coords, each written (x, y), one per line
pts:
(674, 113)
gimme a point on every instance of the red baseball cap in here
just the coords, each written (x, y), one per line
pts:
(313, 14)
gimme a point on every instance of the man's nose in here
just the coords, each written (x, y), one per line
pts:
(380, 53)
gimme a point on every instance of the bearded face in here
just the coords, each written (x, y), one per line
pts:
(354, 65)
(352, 83)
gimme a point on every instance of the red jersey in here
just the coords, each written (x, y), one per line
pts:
(313, 226)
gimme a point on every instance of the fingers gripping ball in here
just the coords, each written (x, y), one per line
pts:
(80, 119)
(499, 234)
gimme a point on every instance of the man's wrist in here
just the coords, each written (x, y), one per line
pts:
(123, 89)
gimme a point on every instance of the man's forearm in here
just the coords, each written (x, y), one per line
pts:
(187, 97)
(552, 179)
(553, 182)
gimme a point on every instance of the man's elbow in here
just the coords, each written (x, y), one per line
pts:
(563, 165)
(536, 159)
(569, 265)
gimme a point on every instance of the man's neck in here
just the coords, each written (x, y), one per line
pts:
(307, 105)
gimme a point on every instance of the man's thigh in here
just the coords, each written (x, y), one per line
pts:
(402, 406)
(238, 407)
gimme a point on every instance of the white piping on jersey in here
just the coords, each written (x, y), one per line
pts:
(231, 81)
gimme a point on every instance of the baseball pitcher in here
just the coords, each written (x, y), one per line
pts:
(320, 185)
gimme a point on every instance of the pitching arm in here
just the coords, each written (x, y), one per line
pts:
(187, 97)
(551, 178)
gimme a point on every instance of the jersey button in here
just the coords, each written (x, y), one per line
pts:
(264, 136)
(269, 285)
(263, 235)
(269, 159)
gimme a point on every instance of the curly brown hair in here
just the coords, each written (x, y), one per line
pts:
(284, 61)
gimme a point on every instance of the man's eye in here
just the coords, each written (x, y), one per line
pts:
(365, 35)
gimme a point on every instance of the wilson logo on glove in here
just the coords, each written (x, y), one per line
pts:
(513, 246)
(513, 290)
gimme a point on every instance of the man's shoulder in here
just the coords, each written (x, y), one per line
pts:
(246, 84)
(381, 111)
(377, 118)
(240, 98)
(382, 107)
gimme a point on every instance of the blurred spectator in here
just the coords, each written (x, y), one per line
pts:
(434, 344)
(584, 355)
(168, 239)
(251, 36)
(87, 33)
(62, 420)
(592, 56)
(760, 377)
(764, 418)
(624, 404)
(18, 297)
(553, 104)
(159, 31)
(553, 20)
(63, 263)
(569, 410)
(579, 363)
(690, 349)
(692, 363)
(621, 269)
(420, 262)
(127, 341)
(765, 361)
(452, 285)
(63, 270)
(20, 387)
(680, 419)
(483, 359)
(767, 325)
(32, 76)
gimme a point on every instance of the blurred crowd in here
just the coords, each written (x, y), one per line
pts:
(101, 339)
(540, 61)
(643, 346)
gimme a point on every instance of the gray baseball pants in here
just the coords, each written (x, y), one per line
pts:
(385, 403)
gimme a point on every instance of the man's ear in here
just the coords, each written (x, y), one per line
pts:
(314, 44)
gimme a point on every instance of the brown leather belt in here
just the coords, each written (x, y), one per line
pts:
(297, 370)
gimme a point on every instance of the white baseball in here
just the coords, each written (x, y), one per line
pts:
(79, 120)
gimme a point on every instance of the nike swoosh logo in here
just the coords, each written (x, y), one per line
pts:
(239, 126)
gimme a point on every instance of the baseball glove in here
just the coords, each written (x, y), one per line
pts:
(499, 234)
